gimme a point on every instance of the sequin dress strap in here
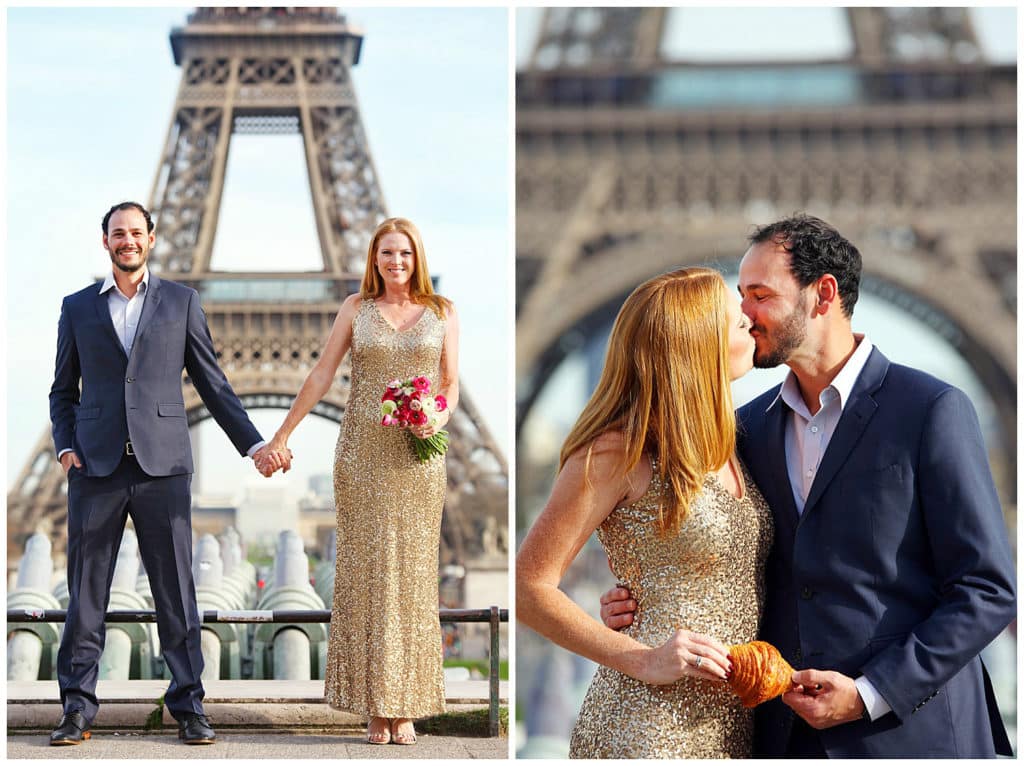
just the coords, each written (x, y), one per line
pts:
(651, 497)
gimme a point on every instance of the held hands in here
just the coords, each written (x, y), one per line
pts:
(272, 457)
(824, 698)
(686, 654)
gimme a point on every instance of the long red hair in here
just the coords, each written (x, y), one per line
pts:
(666, 387)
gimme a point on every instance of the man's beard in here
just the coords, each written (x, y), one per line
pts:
(130, 268)
(787, 338)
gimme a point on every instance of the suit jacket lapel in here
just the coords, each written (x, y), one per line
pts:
(149, 307)
(781, 500)
(856, 415)
(103, 313)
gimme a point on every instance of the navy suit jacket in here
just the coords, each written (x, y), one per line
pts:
(899, 567)
(101, 397)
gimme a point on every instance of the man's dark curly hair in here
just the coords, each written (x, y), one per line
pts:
(128, 206)
(815, 249)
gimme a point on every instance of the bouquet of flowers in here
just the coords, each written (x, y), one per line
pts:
(409, 403)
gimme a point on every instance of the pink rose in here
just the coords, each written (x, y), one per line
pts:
(418, 418)
(389, 396)
(421, 383)
(442, 403)
(388, 420)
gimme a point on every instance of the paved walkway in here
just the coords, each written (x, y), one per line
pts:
(256, 746)
(257, 705)
(237, 691)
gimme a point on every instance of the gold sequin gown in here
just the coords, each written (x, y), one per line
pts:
(708, 578)
(384, 657)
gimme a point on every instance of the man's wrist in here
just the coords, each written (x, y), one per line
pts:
(875, 705)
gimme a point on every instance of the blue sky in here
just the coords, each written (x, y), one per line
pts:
(89, 98)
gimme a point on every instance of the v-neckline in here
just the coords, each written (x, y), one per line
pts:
(734, 463)
(394, 329)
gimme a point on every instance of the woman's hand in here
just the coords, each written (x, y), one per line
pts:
(686, 654)
(278, 444)
(276, 455)
(427, 430)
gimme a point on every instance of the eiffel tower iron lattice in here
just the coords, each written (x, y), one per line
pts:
(631, 161)
(260, 71)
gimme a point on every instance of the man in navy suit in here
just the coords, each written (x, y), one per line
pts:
(891, 568)
(121, 435)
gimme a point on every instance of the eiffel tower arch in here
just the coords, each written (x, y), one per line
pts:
(272, 70)
(631, 161)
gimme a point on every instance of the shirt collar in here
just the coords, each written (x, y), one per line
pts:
(109, 281)
(841, 386)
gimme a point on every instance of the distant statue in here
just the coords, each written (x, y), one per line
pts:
(489, 537)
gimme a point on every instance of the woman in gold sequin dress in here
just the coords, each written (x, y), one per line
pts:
(385, 654)
(650, 465)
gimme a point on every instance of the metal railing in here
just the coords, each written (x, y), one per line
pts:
(493, 615)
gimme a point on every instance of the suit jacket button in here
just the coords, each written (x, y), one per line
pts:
(806, 593)
(131, 380)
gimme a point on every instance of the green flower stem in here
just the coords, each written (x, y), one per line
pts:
(431, 447)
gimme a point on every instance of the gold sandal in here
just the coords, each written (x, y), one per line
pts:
(382, 737)
(402, 739)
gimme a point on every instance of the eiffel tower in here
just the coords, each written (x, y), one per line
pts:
(273, 71)
(631, 160)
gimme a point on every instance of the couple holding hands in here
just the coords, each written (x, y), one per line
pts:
(121, 435)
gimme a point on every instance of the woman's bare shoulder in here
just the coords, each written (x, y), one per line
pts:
(604, 452)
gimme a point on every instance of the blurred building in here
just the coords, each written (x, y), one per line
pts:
(653, 138)
(212, 514)
(317, 521)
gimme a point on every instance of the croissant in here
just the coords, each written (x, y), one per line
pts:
(759, 673)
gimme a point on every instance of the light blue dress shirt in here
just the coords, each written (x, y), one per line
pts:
(125, 311)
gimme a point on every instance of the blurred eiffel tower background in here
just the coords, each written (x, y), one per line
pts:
(276, 71)
(650, 138)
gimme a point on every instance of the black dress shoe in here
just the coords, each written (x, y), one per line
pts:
(72, 729)
(194, 729)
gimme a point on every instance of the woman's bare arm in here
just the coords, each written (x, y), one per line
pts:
(572, 513)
